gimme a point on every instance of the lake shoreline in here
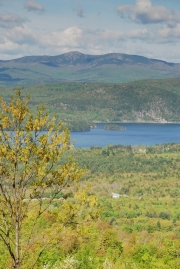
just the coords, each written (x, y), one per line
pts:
(147, 134)
(136, 122)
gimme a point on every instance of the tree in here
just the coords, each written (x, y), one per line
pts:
(31, 176)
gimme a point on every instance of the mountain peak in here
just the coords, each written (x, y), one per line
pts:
(73, 55)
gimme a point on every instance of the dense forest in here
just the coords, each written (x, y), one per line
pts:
(139, 229)
(82, 104)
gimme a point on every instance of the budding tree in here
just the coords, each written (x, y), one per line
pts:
(31, 146)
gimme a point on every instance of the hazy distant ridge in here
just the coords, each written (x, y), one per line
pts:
(75, 66)
(75, 58)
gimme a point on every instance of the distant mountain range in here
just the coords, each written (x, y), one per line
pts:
(77, 67)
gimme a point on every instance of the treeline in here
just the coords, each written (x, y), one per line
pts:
(128, 159)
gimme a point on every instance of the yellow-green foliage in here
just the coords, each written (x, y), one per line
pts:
(146, 215)
(30, 177)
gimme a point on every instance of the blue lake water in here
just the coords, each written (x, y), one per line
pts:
(135, 134)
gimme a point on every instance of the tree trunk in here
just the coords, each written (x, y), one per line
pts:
(17, 261)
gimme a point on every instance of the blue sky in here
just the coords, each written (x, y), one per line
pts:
(50, 27)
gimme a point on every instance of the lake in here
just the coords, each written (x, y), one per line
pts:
(135, 134)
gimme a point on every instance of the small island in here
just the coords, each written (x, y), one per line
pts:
(114, 127)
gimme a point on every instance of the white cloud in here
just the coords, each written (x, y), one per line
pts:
(32, 6)
(9, 47)
(144, 12)
(9, 20)
(21, 40)
(169, 34)
(68, 37)
(138, 34)
(75, 38)
(22, 35)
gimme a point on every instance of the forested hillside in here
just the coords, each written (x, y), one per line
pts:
(84, 103)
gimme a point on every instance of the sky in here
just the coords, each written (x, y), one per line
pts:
(150, 28)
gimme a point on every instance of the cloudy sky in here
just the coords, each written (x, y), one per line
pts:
(50, 27)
